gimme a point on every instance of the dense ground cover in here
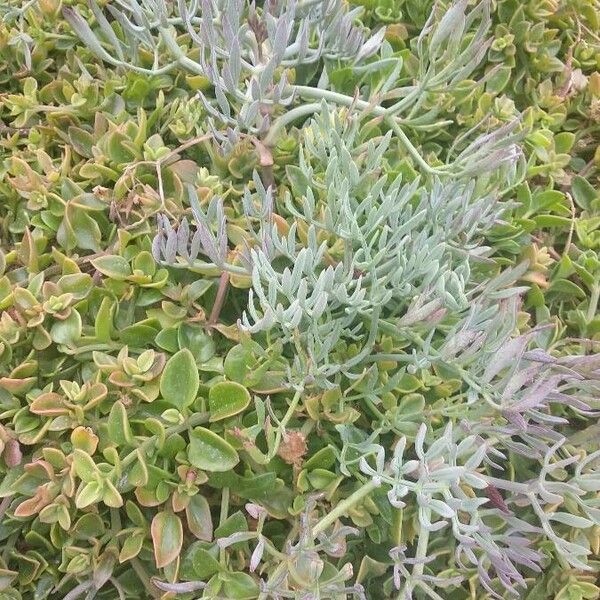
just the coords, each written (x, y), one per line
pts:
(299, 299)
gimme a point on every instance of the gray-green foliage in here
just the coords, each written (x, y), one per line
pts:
(246, 61)
(377, 252)
(467, 330)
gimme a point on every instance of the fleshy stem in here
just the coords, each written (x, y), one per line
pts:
(316, 93)
(221, 293)
(222, 518)
(350, 102)
(281, 425)
(421, 554)
(78, 590)
(289, 117)
(411, 149)
(181, 58)
(429, 591)
(193, 420)
(593, 305)
(310, 93)
(5, 504)
(345, 505)
(206, 268)
(138, 567)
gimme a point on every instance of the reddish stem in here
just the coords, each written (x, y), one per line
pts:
(218, 305)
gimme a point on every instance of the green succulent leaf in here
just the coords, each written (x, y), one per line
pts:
(67, 331)
(180, 381)
(115, 267)
(227, 398)
(296, 296)
(199, 518)
(210, 452)
(85, 468)
(239, 586)
(583, 193)
(118, 425)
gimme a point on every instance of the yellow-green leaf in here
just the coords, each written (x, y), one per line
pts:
(115, 267)
(226, 399)
(118, 425)
(199, 519)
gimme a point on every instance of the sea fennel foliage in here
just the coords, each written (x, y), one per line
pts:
(368, 258)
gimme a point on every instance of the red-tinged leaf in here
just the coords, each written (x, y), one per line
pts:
(29, 507)
(49, 404)
(496, 499)
(199, 518)
(167, 536)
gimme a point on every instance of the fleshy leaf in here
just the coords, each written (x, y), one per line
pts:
(180, 381)
(209, 452)
(167, 537)
(226, 399)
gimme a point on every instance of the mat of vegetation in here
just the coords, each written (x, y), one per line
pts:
(299, 299)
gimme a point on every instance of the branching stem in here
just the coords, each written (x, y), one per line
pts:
(288, 118)
(344, 506)
(282, 424)
(192, 421)
(222, 518)
(420, 556)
